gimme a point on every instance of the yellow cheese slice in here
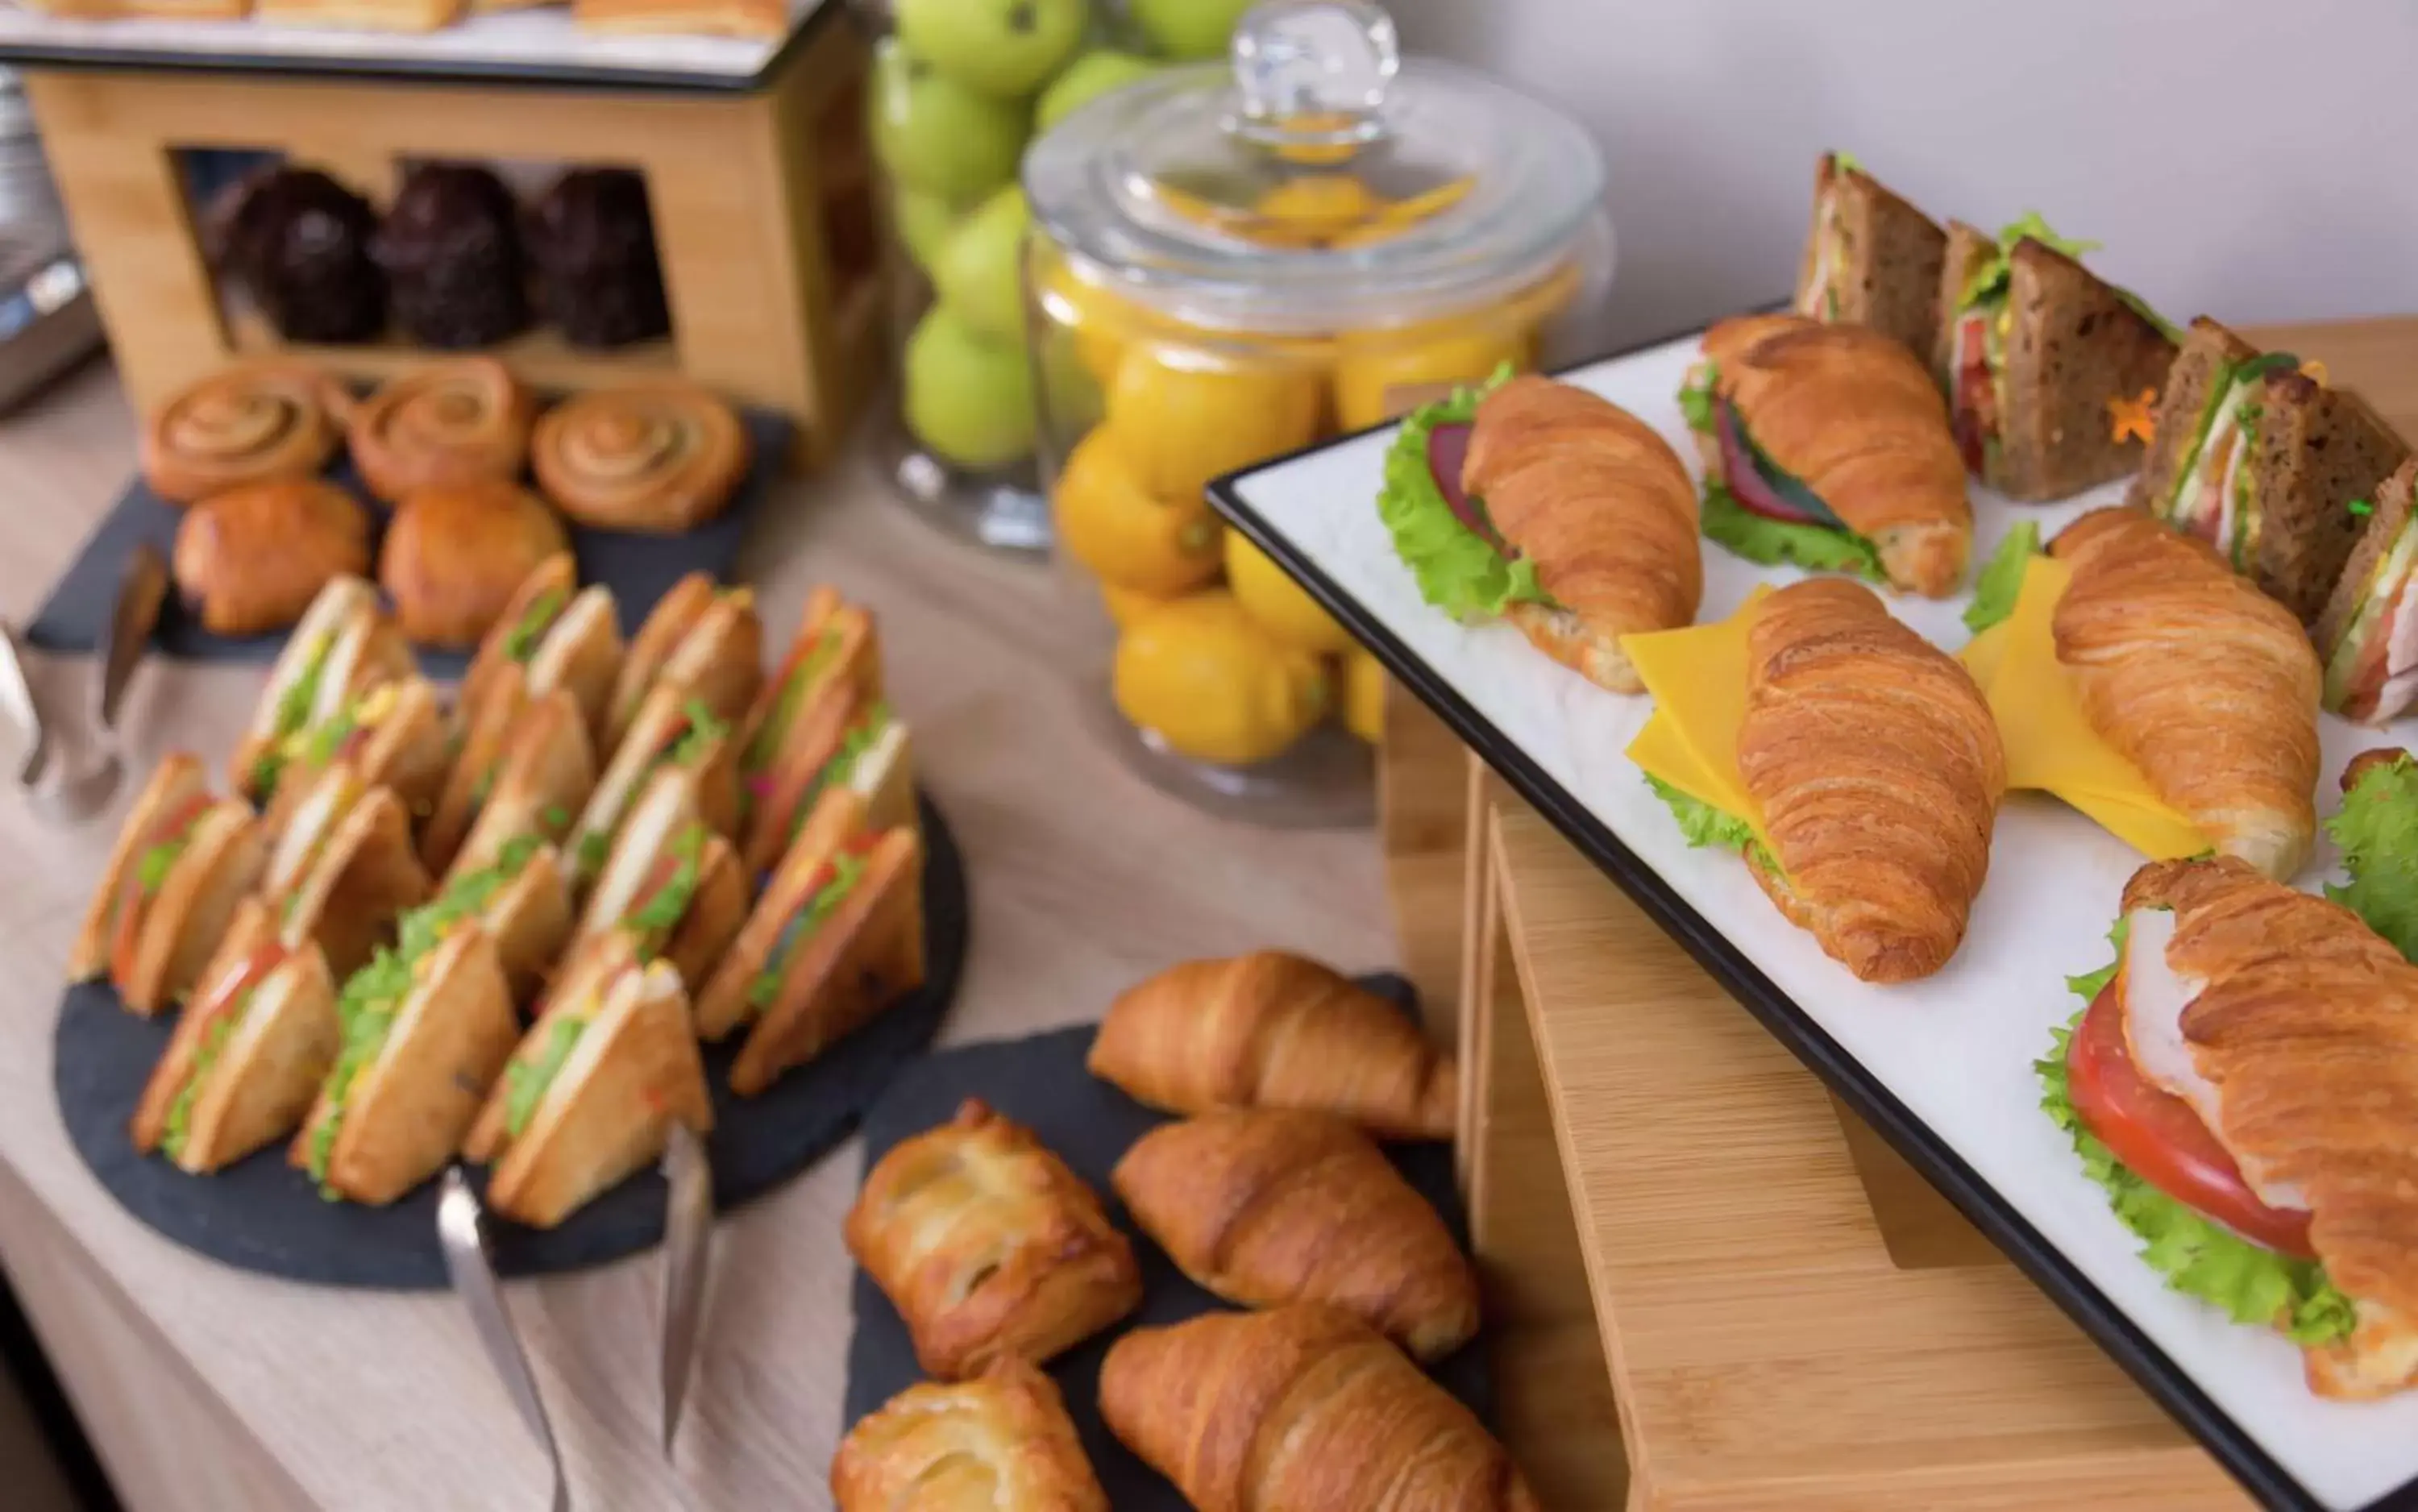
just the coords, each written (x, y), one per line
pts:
(2050, 745)
(1984, 654)
(1698, 679)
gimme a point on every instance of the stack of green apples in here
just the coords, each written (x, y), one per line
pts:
(958, 92)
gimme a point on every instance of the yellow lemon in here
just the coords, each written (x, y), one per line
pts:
(1363, 695)
(1182, 418)
(1202, 675)
(1281, 605)
(1099, 323)
(1308, 210)
(1125, 606)
(1379, 376)
(1113, 525)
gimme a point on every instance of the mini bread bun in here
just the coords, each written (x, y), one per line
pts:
(455, 555)
(252, 558)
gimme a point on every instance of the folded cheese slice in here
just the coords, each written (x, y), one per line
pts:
(1697, 676)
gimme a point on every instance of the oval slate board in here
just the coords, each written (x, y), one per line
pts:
(263, 1215)
(1041, 1083)
(638, 569)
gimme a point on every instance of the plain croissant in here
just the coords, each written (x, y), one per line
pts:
(1270, 1029)
(1266, 1207)
(1305, 1409)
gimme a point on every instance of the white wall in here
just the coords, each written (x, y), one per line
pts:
(2257, 159)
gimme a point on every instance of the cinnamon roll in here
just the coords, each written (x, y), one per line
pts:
(458, 422)
(454, 556)
(242, 424)
(658, 458)
(250, 558)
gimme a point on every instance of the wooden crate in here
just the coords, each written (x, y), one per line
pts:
(752, 191)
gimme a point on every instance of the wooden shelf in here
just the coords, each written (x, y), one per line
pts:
(540, 357)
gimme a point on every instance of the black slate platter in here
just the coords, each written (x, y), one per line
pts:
(1041, 1083)
(263, 1215)
(638, 569)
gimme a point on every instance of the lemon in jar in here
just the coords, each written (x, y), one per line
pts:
(1283, 606)
(1207, 678)
(1182, 415)
(1363, 695)
(1128, 537)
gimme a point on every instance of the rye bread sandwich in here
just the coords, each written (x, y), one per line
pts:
(183, 862)
(1871, 259)
(2369, 631)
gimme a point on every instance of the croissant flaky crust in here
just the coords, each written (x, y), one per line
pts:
(2200, 681)
(1602, 506)
(988, 1247)
(1266, 1207)
(1878, 771)
(1855, 417)
(1000, 1443)
(1270, 1029)
(1305, 1407)
(2306, 1022)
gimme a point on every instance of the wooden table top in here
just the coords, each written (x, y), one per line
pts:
(1084, 879)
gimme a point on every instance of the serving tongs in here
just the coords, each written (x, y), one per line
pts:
(461, 1231)
(77, 796)
(688, 1238)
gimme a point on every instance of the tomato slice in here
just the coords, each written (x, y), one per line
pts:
(2159, 1138)
(127, 926)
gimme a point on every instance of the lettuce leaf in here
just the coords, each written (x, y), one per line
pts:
(1700, 823)
(2197, 1255)
(2002, 578)
(1458, 571)
(1696, 396)
(2376, 831)
(2089, 984)
(1774, 543)
(526, 1082)
(1989, 279)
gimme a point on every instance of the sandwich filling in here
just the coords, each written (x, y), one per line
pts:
(1832, 253)
(2122, 1083)
(2214, 495)
(220, 1010)
(293, 708)
(685, 742)
(520, 642)
(2372, 674)
(857, 763)
(1757, 508)
(662, 897)
(1441, 532)
(526, 1080)
(805, 667)
(161, 850)
(831, 886)
(341, 734)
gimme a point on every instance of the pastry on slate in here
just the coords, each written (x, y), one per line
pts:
(462, 420)
(245, 423)
(182, 864)
(998, 1443)
(297, 242)
(592, 241)
(454, 555)
(1266, 1207)
(450, 246)
(2200, 681)
(1303, 1407)
(1270, 1029)
(252, 558)
(988, 1247)
(657, 458)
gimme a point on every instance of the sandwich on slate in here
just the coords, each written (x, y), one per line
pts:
(2043, 361)
(672, 881)
(552, 636)
(249, 1052)
(837, 936)
(704, 643)
(182, 862)
(670, 732)
(2245, 1084)
(819, 721)
(591, 1095)
(427, 1027)
(396, 735)
(344, 645)
(522, 896)
(2258, 458)
(2368, 633)
(1827, 446)
(1871, 259)
(342, 871)
(538, 751)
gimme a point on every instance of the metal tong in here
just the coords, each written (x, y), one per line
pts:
(461, 1231)
(74, 797)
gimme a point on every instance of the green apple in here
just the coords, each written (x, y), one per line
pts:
(1085, 80)
(924, 221)
(936, 135)
(970, 399)
(1005, 48)
(978, 271)
(1188, 30)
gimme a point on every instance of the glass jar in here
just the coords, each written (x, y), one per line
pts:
(1232, 262)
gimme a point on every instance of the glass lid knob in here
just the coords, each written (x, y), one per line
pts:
(1314, 72)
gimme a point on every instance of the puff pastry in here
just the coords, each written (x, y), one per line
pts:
(466, 420)
(988, 1247)
(250, 558)
(657, 458)
(1000, 1443)
(243, 424)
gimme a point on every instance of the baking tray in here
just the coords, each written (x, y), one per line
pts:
(1942, 1068)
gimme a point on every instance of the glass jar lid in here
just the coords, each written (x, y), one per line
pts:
(1318, 181)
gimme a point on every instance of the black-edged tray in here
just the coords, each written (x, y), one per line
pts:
(1942, 1068)
(639, 569)
(1040, 1082)
(263, 1215)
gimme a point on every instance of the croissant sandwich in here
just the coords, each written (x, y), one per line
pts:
(705, 643)
(1827, 446)
(182, 862)
(2244, 1083)
(343, 647)
(1540, 503)
(343, 870)
(671, 881)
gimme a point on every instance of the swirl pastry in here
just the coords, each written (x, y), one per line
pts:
(242, 424)
(455, 556)
(252, 558)
(461, 421)
(656, 458)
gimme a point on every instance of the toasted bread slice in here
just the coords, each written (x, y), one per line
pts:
(701, 642)
(317, 808)
(405, 1113)
(835, 641)
(657, 740)
(344, 645)
(1871, 259)
(180, 925)
(556, 636)
(605, 1113)
(539, 773)
(586, 969)
(865, 956)
(644, 857)
(487, 727)
(782, 791)
(884, 778)
(2076, 348)
(2314, 449)
(531, 916)
(540, 599)
(396, 734)
(178, 788)
(722, 1004)
(361, 882)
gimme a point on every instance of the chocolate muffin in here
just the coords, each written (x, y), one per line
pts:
(450, 249)
(299, 243)
(593, 240)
